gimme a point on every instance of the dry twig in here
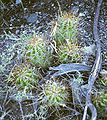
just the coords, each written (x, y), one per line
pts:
(96, 67)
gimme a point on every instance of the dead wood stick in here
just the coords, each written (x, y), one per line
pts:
(96, 67)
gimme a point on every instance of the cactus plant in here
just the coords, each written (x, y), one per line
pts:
(54, 94)
(69, 53)
(38, 53)
(66, 28)
(24, 77)
(100, 101)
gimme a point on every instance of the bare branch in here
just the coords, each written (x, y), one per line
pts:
(96, 67)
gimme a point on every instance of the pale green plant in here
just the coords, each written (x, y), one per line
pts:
(53, 94)
(38, 53)
(69, 53)
(100, 98)
(24, 77)
(103, 78)
(76, 86)
(100, 102)
(65, 28)
(89, 50)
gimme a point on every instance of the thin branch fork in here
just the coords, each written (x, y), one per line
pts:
(96, 67)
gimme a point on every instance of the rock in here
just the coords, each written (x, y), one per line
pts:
(81, 15)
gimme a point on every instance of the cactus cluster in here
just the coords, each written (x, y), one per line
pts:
(38, 56)
(65, 36)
